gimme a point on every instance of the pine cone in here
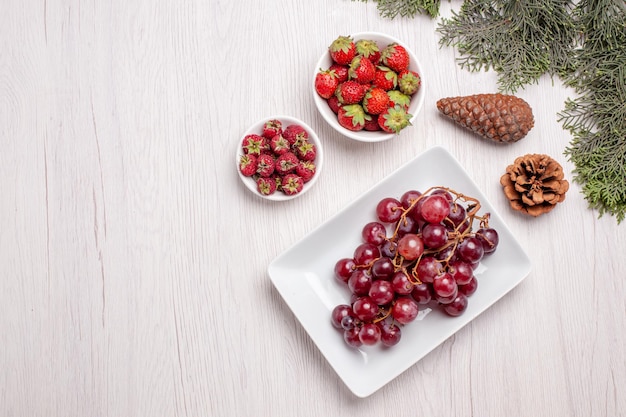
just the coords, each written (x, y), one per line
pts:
(534, 184)
(499, 117)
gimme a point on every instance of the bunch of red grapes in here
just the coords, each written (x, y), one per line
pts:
(421, 251)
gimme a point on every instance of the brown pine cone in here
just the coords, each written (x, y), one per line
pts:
(534, 184)
(499, 117)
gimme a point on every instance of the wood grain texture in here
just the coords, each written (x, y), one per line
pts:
(134, 262)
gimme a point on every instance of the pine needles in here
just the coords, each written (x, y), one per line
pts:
(597, 117)
(406, 8)
(581, 42)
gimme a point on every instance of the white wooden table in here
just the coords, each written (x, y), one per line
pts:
(133, 261)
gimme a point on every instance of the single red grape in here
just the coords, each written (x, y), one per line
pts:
(389, 210)
(360, 282)
(374, 233)
(382, 268)
(444, 285)
(365, 308)
(344, 268)
(369, 334)
(428, 268)
(381, 292)
(471, 249)
(457, 306)
(338, 313)
(435, 208)
(421, 293)
(390, 333)
(366, 253)
(410, 246)
(434, 235)
(404, 310)
(401, 283)
(351, 337)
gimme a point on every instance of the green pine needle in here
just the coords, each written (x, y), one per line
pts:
(406, 8)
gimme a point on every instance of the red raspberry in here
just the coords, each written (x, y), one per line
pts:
(248, 165)
(265, 165)
(266, 186)
(306, 150)
(292, 184)
(306, 170)
(286, 163)
(291, 131)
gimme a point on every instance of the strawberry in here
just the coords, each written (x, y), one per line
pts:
(265, 165)
(272, 128)
(279, 145)
(306, 170)
(385, 78)
(292, 184)
(254, 144)
(376, 100)
(352, 117)
(266, 186)
(286, 163)
(306, 151)
(398, 98)
(341, 71)
(369, 49)
(248, 164)
(342, 50)
(334, 104)
(409, 82)
(394, 119)
(326, 83)
(361, 70)
(372, 125)
(395, 56)
(350, 92)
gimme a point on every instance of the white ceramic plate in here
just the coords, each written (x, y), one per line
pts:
(304, 277)
(417, 101)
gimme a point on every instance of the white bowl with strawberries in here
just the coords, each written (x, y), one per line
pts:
(368, 86)
(279, 158)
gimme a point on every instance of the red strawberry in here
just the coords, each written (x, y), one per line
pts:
(372, 125)
(395, 57)
(341, 71)
(272, 128)
(361, 70)
(369, 49)
(291, 131)
(292, 184)
(248, 164)
(342, 50)
(409, 82)
(351, 92)
(254, 144)
(306, 170)
(375, 101)
(279, 145)
(385, 78)
(266, 186)
(286, 163)
(306, 151)
(352, 117)
(398, 98)
(334, 104)
(394, 119)
(265, 165)
(326, 83)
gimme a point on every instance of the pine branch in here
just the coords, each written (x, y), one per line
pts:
(406, 8)
(520, 40)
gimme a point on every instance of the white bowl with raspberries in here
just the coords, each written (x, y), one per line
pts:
(279, 158)
(350, 81)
